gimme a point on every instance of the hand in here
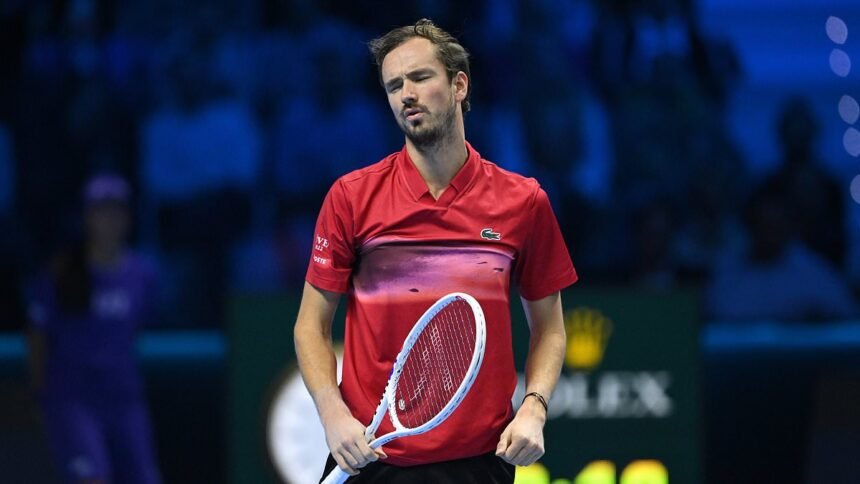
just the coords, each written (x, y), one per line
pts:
(345, 438)
(521, 443)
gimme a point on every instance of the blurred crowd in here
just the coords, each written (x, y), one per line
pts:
(231, 119)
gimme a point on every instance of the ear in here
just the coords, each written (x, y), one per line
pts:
(461, 86)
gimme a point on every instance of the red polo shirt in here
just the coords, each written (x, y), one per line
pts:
(383, 240)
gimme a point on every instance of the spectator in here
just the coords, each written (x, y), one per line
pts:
(200, 160)
(202, 141)
(332, 129)
(777, 277)
(84, 315)
(653, 265)
(814, 198)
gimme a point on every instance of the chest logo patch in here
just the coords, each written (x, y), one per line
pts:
(490, 235)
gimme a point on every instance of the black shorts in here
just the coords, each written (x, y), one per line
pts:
(481, 469)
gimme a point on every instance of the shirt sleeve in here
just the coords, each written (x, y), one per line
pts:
(333, 248)
(544, 266)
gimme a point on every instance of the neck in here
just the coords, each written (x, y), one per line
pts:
(104, 255)
(798, 154)
(439, 163)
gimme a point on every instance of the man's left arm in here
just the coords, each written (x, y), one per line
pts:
(522, 440)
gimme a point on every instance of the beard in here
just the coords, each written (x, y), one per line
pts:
(430, 131)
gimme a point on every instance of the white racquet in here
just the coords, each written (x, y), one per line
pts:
(432, 373)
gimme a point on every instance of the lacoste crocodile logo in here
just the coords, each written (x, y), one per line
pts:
(490, 235)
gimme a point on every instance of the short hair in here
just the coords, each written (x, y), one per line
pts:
(450, 53)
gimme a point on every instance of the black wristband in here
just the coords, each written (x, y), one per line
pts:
(540, 398)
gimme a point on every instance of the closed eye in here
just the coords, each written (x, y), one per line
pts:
(418, 75)
(393, 86)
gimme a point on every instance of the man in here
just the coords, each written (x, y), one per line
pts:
(397, 235)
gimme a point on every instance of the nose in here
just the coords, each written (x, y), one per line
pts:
(407, 93)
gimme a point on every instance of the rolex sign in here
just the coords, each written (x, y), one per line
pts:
(626, 407)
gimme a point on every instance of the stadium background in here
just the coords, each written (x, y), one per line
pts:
(657, 127)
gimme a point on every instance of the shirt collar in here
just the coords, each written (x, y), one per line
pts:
(418, 187)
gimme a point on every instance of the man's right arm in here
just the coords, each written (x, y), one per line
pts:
(317, 363)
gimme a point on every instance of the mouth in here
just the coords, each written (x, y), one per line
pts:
(413, 114)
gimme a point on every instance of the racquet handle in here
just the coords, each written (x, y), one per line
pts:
(336, 476)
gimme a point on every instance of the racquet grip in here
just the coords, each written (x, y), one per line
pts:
(336, 476)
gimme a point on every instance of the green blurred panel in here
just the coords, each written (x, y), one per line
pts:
(261, 342)
(261, 348)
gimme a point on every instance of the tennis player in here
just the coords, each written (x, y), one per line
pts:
(431, 219)
(84, 314)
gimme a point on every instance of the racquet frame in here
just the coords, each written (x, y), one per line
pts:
(387, 403)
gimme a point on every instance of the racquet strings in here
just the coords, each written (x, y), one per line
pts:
(436, 365)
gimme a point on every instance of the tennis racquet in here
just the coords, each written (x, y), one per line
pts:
(432, 373)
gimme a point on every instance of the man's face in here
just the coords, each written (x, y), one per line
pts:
(107, 222)
(423, 100)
